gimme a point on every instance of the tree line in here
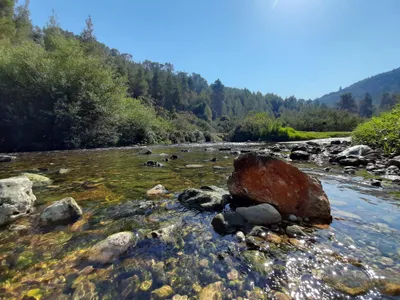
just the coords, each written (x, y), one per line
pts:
(60, 90)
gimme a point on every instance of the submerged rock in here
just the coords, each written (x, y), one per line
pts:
(61, 212)
(131, 208)
(38, 180)
(295, 231)
(157, 190)
(205, 198)
(262, 214)
(261, 179)
(229, 222)
(212, 291)
(16, 199)
(6, 158)
(163, 292)
(259, 261)
(109, 249)
(349, 281)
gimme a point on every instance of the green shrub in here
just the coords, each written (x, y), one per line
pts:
(382, 132)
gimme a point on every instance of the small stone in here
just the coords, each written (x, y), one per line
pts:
(157, 190)
(203, 263)
(233, 275)
(240, 237)
(194, 166)
(145, 151)
(292, 218)
(163, 292)
(196, 287)
(179, 297)
(146, 285)
(63, 171)
(273, 238)
(295, 231)
(389, 288)
(375, 182)
(387, 261)
(86, 271)
(6, 158)
(281, 296)
(228, 222)
(300, 155)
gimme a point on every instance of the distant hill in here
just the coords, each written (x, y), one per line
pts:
(376, 85)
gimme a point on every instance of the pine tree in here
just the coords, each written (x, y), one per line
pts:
(366, 108)
(348, 103)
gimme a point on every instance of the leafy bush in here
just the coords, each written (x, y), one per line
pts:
(382, 132)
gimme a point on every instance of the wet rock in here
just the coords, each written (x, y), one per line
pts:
(263, 179)
(163, 292)
(292, 218)
(352, 161)
(146, 285)
(61, 212)
(300, 155)
(38, 180)
(111, 248)
(240, 237)
(212, 291)
(394, 162)
(85, 290)
(155, 164)
(375, 182)
(228, 222)
(16, 199)
(359, 150)
(157, 190)
(370, 167)
(214, 159)
(259, 261)
(235, 152)
(7, 158)
(295, 231)
(350, 171)
(145, 151)
(209, 149)
(165, 233)
(389, 288)
(174, 157)
(379, 172)
(225, 149)
(327, 169)
(281, 296)
(185, 150)
(393, 170)
(262, 214)
(206, 198)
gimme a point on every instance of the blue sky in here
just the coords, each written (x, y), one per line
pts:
(304, 48)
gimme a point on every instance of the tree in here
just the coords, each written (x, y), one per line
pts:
(218, 98)
(7, 26)
(23, 24)
(388, 102)
(87, 34)
(365, 107)
(348, 103)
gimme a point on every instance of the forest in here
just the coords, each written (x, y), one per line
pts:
(60, 90)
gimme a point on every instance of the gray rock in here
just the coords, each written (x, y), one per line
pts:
(370, 167)
(38, 180)
(206, 198)
(393, 170)
(228, 222)
(61, 212)
(130, 208)
(300, 155)
(352, 161)
(166, 234)
(155, 164)
(111, 248)
(16, 199)
(292, 218)
(394, 162)
(295, 231)
(359, 150)
(157, 190)
(6, 158)
(262, 214)
(145, 151)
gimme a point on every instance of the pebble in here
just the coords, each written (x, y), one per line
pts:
(240, 237)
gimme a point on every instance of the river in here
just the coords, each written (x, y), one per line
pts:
(357, 256)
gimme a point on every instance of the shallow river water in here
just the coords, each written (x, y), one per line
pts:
(358, 256)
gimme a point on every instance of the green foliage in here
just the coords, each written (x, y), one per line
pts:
(382, 132)
(365, 107)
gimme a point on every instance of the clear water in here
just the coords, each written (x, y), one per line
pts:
(357, 256)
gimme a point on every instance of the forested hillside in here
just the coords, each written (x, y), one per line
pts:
(376, 86)
(60, 90)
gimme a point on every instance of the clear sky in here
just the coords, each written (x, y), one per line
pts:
(305, 48)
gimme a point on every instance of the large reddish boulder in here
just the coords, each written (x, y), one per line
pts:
(264, 179)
